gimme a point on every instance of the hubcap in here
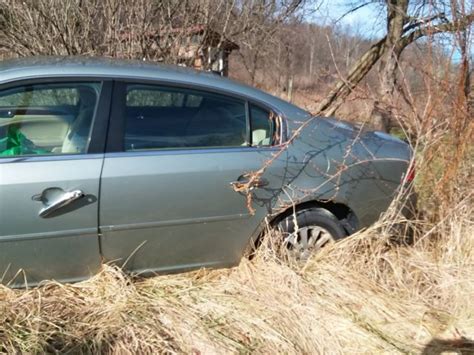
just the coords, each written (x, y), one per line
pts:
(307, 240)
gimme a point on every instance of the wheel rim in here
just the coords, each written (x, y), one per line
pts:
(306, 241)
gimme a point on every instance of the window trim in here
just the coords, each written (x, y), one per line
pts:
(248, 124)
(116, 130)
(97, 140)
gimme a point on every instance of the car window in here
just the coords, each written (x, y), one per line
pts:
(262, 124)
(28, 96)
(43, 119)
(156, 97)
(159, 117)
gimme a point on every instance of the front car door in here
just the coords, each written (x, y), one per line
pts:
(51, 156)
(167, 203)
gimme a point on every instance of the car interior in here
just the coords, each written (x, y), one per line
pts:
(212, 123)
(62, 129)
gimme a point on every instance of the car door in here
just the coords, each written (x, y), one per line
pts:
(52, 137)
(167, 203)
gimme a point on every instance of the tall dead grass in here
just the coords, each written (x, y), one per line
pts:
(366, 294)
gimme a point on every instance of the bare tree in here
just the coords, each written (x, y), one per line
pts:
(263, 20)
(402, 30)
(144, 29)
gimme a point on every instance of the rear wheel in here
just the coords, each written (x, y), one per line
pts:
(308, 231)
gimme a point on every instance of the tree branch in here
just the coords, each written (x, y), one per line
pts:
(361, 68)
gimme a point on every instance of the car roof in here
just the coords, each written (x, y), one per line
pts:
(38, 67)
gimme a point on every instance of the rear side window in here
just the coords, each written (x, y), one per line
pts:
(147, 97)
(159, 117)
(43, 119)
(262, 123)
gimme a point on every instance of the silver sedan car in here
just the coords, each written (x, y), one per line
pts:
(165, 169)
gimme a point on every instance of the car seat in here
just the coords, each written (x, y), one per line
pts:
(214, 125)
(78, 135)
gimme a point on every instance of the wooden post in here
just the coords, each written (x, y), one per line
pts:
(290, 89)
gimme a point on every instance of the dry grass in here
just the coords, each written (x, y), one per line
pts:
(363, 295)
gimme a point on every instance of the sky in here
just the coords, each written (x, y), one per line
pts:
(368, 21)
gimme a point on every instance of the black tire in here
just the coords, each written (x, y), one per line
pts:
(316, 218)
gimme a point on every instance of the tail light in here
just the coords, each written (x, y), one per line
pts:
(409, 176)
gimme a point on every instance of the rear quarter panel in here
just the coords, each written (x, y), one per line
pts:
(337, 163)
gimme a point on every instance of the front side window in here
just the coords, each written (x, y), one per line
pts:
(163, 118)
(43, 119)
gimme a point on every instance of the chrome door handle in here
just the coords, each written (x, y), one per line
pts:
(63, 200)
(257, 183)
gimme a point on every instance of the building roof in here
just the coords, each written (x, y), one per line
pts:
(213, 38)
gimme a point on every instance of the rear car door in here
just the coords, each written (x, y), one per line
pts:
(52, 137)
(167, 203)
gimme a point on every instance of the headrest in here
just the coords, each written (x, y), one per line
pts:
(87, 97)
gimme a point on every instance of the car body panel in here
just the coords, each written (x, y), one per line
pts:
(170, 210)
(64, 246)
(347, 165)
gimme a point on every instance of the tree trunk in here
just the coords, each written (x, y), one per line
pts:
(465, 77)
(397, 14)
(396, 20)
